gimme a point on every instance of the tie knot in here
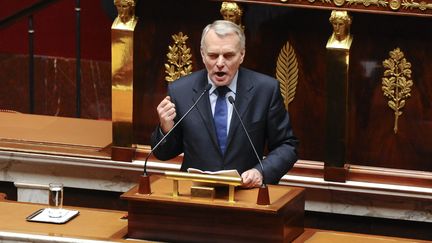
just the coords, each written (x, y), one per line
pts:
(222, 91)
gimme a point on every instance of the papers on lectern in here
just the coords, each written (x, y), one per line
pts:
(231, 173)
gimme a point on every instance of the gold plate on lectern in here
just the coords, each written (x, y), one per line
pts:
(203, 192)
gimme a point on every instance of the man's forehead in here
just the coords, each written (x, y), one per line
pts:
(221, 50)
(225, 46)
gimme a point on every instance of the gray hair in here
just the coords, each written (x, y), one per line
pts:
(223, 28)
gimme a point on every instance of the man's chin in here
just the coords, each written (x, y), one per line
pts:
(221, 81)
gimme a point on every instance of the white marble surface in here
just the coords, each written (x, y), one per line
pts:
(73, 172)
(31, 172)
(32, 193)
(370, 205)
(13, 237)
(365, 199)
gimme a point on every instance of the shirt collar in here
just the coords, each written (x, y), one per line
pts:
(232, 86)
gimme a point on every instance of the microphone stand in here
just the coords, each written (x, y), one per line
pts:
(144, 181)
(263, 192)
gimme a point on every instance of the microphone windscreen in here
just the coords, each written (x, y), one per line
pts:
(231, 99)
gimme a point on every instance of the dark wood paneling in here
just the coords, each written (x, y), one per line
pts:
(372, 140)
(268, 28)
(370, 126)
(160, 20)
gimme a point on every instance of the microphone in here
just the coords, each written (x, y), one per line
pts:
(144, 185)
(263, 194)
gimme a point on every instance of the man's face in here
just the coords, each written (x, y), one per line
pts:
(222, 57)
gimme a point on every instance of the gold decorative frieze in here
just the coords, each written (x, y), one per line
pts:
(323, 1)
(385, 5)
(287, 73)
(367, 3)
(416, 5)
(179, 58)
(339, 2)
(396, 83)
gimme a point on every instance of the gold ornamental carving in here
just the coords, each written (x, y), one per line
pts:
(179, 58)
(396, 83)
(339, 2)
(414, 5)
(367, 3)
(287, 73)
(394, 4)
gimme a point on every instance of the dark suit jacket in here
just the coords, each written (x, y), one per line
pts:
(261, 107)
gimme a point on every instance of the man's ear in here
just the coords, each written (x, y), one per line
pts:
(202, 54)
(243, 52)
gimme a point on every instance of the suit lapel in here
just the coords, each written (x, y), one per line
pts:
(243, 97)
(204, 108)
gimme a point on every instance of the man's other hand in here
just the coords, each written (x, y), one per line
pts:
(252, 178)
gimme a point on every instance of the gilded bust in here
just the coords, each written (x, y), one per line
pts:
(232, 12)
(126, 14)
(341, 38)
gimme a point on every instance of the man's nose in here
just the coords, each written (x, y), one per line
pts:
(220, 61)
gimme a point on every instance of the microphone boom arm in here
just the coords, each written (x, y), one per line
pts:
(263, 192)
(207, 88)
(231, 100)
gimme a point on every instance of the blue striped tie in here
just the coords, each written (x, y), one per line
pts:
(221, 117)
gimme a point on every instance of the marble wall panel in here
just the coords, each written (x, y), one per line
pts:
(55, 86)
(368, 205)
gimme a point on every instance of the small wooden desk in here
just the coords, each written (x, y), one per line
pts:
(90, 224)
(324, 236)
(55, 135)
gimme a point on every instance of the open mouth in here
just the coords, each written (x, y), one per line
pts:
(220, 74)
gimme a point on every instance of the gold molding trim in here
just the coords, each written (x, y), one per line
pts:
(367, 3)
(394, 5)
(339, 2)
(414, 5)
(287, 73)
(179, 58)
(323, 1)
(396, 82)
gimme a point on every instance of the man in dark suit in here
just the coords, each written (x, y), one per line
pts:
(211, 143)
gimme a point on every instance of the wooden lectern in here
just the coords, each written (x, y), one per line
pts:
(161, 217)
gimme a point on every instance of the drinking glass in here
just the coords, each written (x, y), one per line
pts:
(55, 200)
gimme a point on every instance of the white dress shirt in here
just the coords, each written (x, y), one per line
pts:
(213, 97)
